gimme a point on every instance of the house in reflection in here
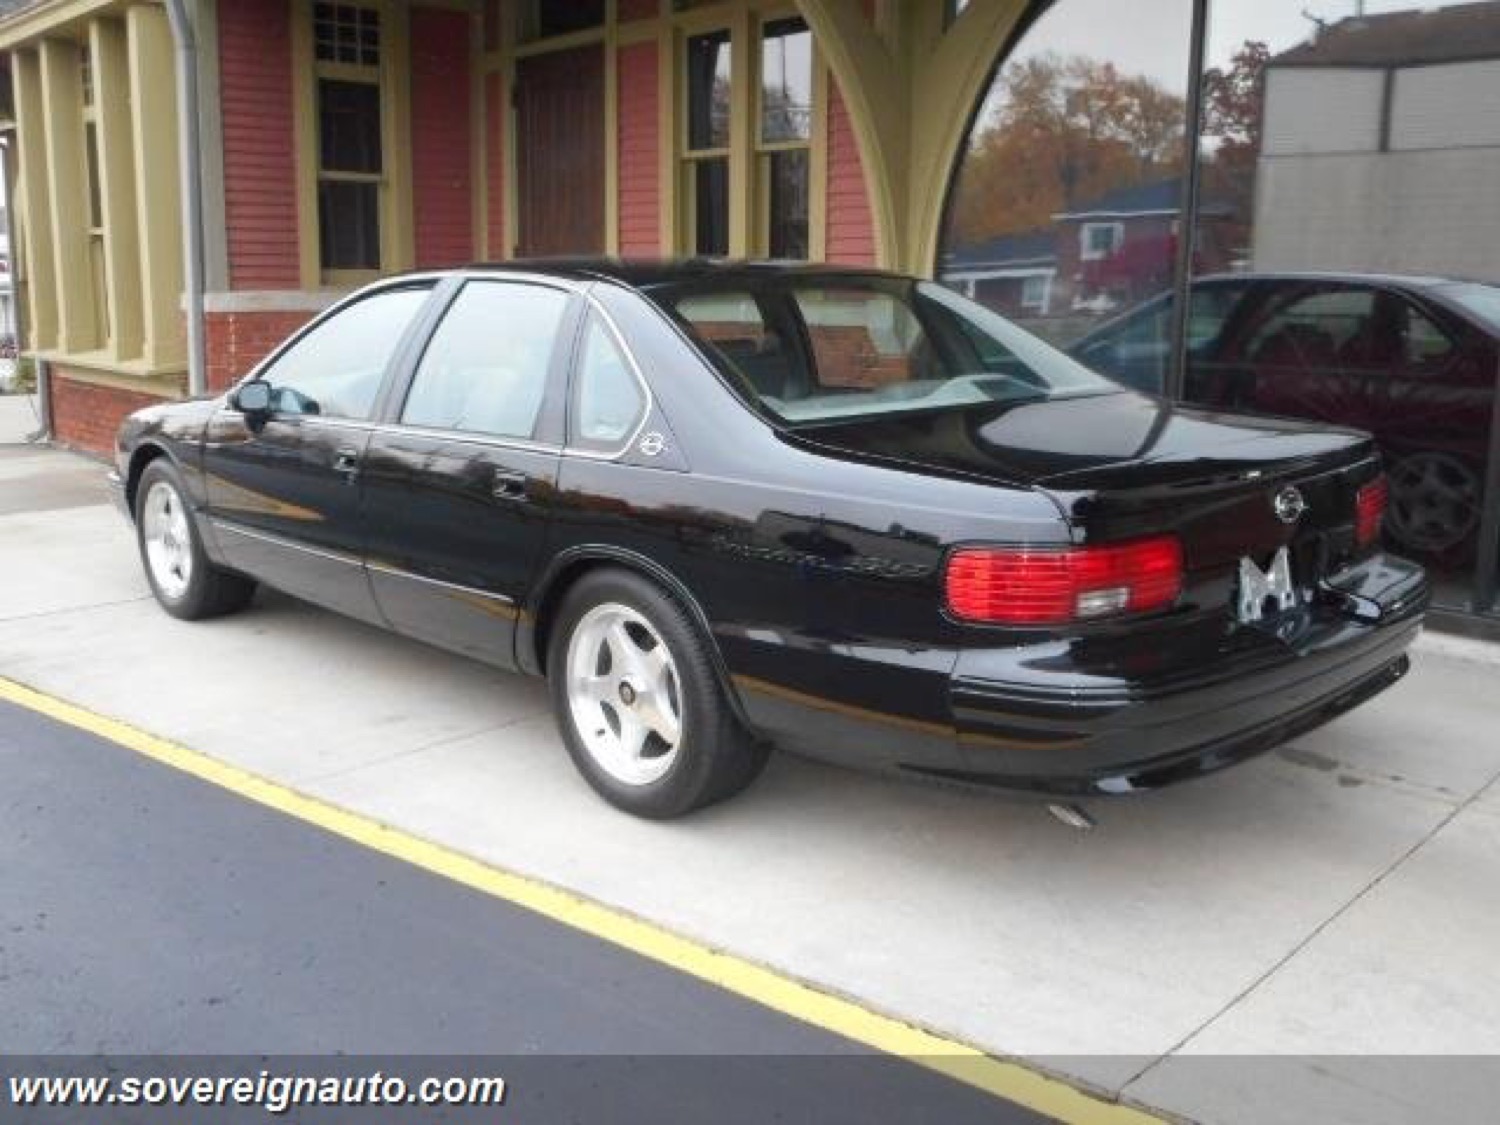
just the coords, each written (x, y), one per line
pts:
(1381, 148)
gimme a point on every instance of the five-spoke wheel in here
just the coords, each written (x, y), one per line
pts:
(640, 700)
(185, 581)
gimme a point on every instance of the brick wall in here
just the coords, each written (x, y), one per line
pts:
(640, 172)
(851, 228)
(86, 415)
(260, 188)
(236, 342)
(442, 180)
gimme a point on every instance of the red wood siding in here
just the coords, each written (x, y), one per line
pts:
(442, 178)
(640, 170)
(260, 185)
(851, 229)
(494, 164)
(638, 9)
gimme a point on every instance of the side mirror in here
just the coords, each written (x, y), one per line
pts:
(253, 399)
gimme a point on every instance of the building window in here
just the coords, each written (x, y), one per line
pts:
(783, 158)
(346, 33)
(1101, 240)
(543, 18)
(705, 162)
(1034, 292)
(351, 158)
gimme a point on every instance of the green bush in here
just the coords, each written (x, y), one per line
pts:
(25, 379)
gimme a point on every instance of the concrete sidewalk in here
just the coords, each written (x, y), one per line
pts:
(1339, 898)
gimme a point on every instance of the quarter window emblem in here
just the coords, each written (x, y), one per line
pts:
(652, 445)
(1289, 504)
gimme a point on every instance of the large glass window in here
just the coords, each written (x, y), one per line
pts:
(351, 160)
(335, 369)
(1344, 257)
(1065, 212)
(1355, 152)
(486, 368)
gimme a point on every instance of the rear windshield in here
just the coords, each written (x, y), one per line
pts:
(811, 350)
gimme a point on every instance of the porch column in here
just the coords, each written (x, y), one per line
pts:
(910, 87)
(62, 102)
(158, 195)
(31, 181)
(122, 280)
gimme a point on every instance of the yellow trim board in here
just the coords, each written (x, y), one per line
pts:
(1011, 1081)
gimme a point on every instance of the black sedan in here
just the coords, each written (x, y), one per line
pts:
(725, 507)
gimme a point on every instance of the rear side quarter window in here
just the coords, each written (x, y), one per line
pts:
(608, 400)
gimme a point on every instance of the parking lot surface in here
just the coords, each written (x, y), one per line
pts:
(1332, 900)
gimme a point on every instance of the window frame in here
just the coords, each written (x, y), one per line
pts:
(1087, 253)
(394, 238)
(764, 151)
(549, 432)
(687, 159)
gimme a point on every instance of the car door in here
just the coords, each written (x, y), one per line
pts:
(457, 489)
(282, 490)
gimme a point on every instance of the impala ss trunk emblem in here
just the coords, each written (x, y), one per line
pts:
(1289, 504)
(1257, 587)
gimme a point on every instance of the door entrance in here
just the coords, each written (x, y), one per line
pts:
(560, 152)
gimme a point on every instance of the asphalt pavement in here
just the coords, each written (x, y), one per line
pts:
(145, 912)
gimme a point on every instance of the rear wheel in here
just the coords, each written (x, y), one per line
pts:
(185, 582)
(640, 706)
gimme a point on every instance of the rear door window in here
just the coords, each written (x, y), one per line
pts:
(486, 368)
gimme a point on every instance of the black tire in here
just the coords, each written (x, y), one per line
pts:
(209, 591)
(715, 755)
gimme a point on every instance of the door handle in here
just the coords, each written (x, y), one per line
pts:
(346, 461)
(509, 486)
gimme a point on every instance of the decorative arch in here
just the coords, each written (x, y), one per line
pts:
(910, 87)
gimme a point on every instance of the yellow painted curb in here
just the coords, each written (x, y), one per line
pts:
(960, 1061)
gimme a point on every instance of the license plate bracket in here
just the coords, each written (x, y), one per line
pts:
(1258, 589)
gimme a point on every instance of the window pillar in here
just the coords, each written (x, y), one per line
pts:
(158, 191)
(62, 102)
(31, 181)
(112, 100)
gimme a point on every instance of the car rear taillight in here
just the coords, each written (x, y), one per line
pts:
(1053, 586)
(1369, 511)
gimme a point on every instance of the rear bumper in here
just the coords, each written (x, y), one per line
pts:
(1121, 714)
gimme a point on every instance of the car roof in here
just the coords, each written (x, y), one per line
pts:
(645, 273)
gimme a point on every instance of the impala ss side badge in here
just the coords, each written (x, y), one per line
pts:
(1289, 504)
(652, 444)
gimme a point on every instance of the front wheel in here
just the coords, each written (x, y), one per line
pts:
(640, 706)
(185, 582)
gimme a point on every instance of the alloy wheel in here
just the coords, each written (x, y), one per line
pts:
(1434, 502)
(624, 694)
(168, 539)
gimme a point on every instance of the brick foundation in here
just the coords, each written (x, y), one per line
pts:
(86, 415)
(237, 341)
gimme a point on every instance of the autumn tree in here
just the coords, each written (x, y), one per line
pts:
(1233, 120)
(1057, 131)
